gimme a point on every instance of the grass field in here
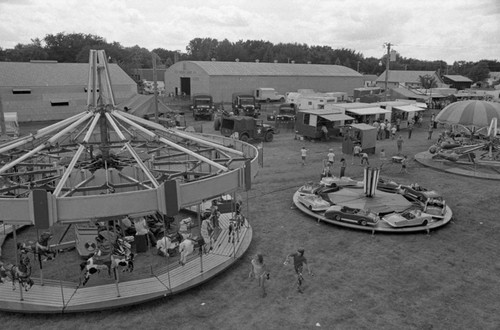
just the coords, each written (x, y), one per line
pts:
(446, 280)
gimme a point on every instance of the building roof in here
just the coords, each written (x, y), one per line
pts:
(406, 76)
(215, 68)
(457, 78)
(50, 73)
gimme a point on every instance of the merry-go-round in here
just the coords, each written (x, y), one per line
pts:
(154, 210)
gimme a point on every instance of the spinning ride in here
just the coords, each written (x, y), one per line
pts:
(106, 163)
(376, 205)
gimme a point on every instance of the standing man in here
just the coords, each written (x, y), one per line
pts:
(382, 131)
(303, 154)
(388, 129)
(299, 261)
(399, 143)
(410, 129)
(398, 123)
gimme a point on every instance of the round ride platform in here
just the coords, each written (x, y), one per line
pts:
(383, 201)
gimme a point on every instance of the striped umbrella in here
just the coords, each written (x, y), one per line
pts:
(472, 114)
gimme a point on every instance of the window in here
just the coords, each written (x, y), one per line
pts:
(21, 91)
(60, 103)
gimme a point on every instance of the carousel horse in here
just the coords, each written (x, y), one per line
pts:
(185, 227)
(20, 273)
(111, 252)
(167, 245)
(40, 248)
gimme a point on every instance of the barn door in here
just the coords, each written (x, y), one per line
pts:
(185, 85)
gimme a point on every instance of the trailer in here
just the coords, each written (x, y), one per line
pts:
(316, 124)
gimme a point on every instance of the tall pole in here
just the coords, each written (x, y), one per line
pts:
(155, 86)
(387, 68)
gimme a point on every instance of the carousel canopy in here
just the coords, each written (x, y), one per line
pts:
(472, 113)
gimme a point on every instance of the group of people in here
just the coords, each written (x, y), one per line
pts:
(260, 271)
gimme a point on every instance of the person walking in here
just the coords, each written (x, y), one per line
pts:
(399, 143)
(404, 164)
(259, 271)
(303, 154)
(343, 165)
(430, 130)
(410, 129)
(299, 261)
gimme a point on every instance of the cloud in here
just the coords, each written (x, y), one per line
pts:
(449, 29)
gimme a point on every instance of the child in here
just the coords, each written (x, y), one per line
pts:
(393, 132)
(364, 159)
(303, 153)
(404, 163)
(343, 165)
(356, 152)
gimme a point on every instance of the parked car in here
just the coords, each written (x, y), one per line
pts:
(265, 94)
(203, 107)
(245, 105)
(359, 216)
(313, 202)
(246, 128)
(286, 113)
(408, 218)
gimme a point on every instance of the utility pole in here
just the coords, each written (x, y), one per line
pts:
(388, 61)
(155, 86)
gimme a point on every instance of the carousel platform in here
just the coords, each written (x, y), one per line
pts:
(65, 297)
(384, 202)
(470, 170)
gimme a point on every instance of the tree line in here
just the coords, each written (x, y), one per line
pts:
(74, 48)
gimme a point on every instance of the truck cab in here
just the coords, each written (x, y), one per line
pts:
(245, 105)
(265, 94)
(203, 107)
(246, 128)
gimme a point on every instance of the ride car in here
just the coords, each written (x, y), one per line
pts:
(416, 192)
(408, 218)
(341, 182)
(388, 185)
(359, 216)
(435, 207)
(313, 202)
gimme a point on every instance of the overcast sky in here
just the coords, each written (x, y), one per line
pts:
(449, 30)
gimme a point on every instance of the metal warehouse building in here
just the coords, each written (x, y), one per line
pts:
(222, 79)
(47, 90)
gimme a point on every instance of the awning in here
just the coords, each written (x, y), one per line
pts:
(421, 105)
(336, 117)
(408, 108)
(368, 111)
